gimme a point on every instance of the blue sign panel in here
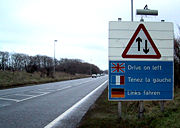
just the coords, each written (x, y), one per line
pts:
(140, 80)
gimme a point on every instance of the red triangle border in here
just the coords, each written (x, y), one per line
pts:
(157, 56)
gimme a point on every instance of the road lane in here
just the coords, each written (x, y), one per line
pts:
(71, 117)
(37, 106)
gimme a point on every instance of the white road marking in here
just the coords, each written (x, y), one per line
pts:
(41, 92)
(63, 88)
(61, 117)
(3, 105)
(33, 97)
(23, 95)
(46, 89)
(83, 82)
(2, 98)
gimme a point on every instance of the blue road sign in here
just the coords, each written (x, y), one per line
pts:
(140, 80)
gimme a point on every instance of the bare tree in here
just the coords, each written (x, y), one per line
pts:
(44, 64)
(4, 58)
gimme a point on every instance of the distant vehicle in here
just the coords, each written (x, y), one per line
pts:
(102, 74)
(98, 75)
(94, 75)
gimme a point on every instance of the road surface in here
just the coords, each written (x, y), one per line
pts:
(37, 106)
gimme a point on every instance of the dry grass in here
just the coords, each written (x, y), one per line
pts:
(103, 114)
(15, 79)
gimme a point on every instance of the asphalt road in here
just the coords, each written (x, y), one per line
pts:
(37, 106)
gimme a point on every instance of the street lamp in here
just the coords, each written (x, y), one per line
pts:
(54, 58)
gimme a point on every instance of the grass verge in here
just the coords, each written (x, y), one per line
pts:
(17, 79)
(103, 114)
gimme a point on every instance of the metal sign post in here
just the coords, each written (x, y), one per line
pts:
(131, 10)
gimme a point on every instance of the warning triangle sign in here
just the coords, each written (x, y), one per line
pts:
(141, 45)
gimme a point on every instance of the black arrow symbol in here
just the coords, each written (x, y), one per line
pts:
(146, 50)
(139, 40)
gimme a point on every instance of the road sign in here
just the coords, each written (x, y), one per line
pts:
(140, 61)
(141, 45)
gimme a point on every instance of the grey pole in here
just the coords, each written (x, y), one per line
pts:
(131, 10)
(141, 109)
(120, 109)
(54, 58)
(162, 105)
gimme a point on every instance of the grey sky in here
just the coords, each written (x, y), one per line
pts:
(80, 26)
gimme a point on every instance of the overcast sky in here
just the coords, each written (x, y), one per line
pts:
(80, 26)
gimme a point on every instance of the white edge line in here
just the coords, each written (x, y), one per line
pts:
(60, 117)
